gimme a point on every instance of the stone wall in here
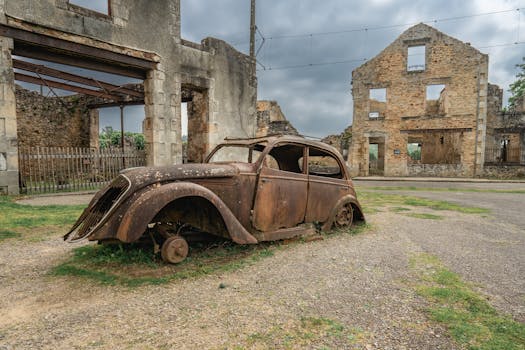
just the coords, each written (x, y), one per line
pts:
(224, 94)
(435, 170)
(55, 121)
(271, 120)
(8, 138)
(461, 109)
(341, 141)
(504, 171)
(150, 31)
(505, 136)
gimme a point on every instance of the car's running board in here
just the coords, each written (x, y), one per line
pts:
(303, 230)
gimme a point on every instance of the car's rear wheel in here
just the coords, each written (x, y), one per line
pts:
(344, 216)
(174, 249)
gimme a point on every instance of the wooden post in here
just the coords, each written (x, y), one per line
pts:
(122, 135)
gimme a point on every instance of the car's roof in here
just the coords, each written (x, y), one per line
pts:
(272, 139)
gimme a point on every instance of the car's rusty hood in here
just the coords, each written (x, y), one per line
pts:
(144, 176)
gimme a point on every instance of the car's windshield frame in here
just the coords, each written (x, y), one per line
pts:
(251, 147)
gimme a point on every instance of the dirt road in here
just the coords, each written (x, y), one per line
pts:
(360, 283)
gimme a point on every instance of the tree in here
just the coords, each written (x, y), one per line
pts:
(517, 88)
(111, 138)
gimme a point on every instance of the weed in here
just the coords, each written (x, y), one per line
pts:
(133, 265)
(467, 315)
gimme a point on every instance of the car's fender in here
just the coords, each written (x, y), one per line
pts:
(343, 201)
(146, 206)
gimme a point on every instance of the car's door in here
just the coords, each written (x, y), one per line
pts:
(282, 189)
(327, 184)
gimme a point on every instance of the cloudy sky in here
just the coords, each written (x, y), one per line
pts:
(312, 46)
(343, 34)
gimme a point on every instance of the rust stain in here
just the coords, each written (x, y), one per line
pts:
(247, 202)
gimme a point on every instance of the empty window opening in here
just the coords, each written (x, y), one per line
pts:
(3, 161)
(416, 58)
(414, 151)
(110, 131)
(184, 121)
(184, 130)
(373, 115)
(288, 157)
(434, 91)
(321, 163)
(376, 156)
(373, 151)
(101, 6)
(378, 94)
(442, 140)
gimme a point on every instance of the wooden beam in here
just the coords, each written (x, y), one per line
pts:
(63, 86)
(25, 50)
(55, 73)
(75, 49)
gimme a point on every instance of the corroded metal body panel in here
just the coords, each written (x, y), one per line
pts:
(247, 202)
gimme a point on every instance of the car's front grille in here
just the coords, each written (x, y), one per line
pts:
(97, 212)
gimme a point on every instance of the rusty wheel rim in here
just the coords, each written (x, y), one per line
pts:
(344, 217)
(174, 250)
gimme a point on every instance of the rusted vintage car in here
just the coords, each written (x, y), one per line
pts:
(247, 190)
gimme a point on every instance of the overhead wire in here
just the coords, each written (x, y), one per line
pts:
(367, 29)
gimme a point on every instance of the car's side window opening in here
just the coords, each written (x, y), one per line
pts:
(321, 163)
(287, 157)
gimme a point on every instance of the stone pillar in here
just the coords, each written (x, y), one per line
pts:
(481, 118)
(8, 130)
(94, 128)
(162, 125)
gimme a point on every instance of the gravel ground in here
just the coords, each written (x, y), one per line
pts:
(358, 281)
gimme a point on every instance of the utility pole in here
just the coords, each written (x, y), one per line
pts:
(252, 30)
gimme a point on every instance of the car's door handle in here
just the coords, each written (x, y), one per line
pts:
(265, 180)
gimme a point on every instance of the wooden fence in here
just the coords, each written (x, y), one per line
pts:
(56, 169)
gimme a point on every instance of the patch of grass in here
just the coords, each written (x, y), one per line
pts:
(369, 210)
(308, 332)
(399, 209)
(5, 234)
(471, 320)
(353, 230)
(132, 265)
(425, 216)
(441, 189)
(28, 221)
(377, 199)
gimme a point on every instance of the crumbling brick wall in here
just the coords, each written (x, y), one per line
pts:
(55, 121)
(460, 109)
(271, 120)
(341, 141)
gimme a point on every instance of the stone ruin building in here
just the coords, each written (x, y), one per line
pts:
(271, 120)
(424, 107)
(138, 39)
